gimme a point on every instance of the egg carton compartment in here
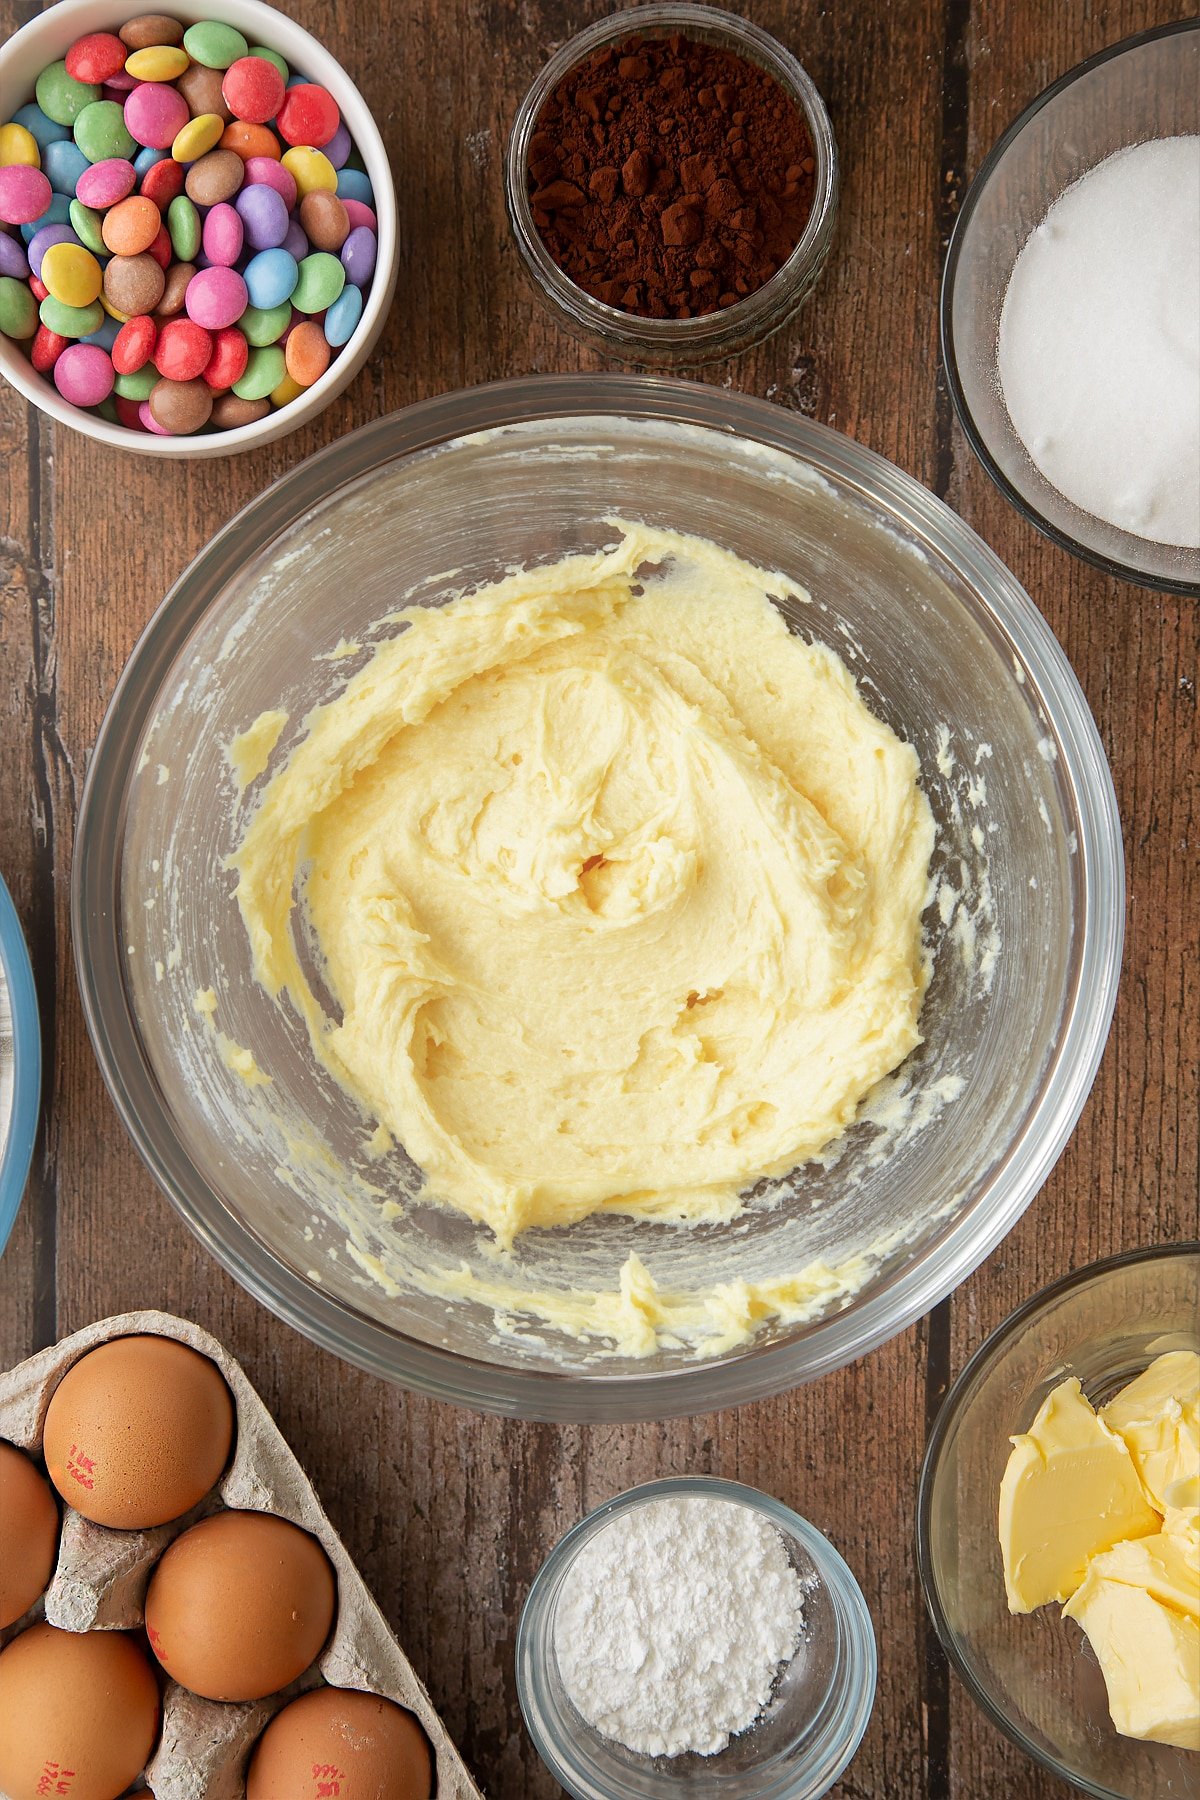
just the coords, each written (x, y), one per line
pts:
(101, 1576)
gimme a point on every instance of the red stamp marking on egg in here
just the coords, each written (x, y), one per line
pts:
(328, 1778)
(54, 1779)
(81, 1468)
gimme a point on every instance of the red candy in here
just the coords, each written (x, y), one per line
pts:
(46, 349)
(129, 413)
(253, 89)
(134, 344)
(39, 289)
(227, 363)
(96, 58)
(160, 249)
(162, 182)
(309, 115)
(183, 351)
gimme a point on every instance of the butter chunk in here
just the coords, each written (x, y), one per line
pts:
(1069, 1491)
(1158, 1416)
(1149, 1655)
(1166, 1566)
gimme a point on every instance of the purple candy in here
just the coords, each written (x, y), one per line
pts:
(295, 243)
(118, 85)
(215, 298)
(359, 213)
(25, 194)
(264, 171)
(155, 114)
(339, 146)
(223, 233)
(146, 417)
(13, 260)
(83, 374)
(358, 256)
(41, 241)
(264, 214)
(104, 183)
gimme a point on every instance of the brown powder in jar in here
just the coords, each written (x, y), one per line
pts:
(669, 177)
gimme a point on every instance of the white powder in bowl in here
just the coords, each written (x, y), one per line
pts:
(674, 1621)
(1099, 346)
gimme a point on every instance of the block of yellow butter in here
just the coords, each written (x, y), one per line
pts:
(1070, 1490)
(1148, 1651)
(1158, 1417)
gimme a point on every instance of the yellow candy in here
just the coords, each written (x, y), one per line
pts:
(110, 309)
(312, 172)
(72, 274)
(199, 136)
(159, 62)
(18, 146)
(287, 391)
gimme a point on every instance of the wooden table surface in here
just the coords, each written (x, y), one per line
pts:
(449, 1514)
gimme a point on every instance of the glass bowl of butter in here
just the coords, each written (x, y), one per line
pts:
(1058, 1529)
(511, 1072)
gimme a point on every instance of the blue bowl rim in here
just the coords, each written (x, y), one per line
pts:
(16, 1154)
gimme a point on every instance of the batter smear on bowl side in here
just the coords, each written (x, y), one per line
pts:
(617, 882)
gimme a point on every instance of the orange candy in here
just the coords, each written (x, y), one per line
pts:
(131, 226)
(306, 353)
(249, 140)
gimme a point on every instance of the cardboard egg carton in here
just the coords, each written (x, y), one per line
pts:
(101, 1576)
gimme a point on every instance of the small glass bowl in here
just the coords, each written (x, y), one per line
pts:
(626, 336)
(20, 1064)
(808, 1733)
(1142, 88)
(1034, 1674)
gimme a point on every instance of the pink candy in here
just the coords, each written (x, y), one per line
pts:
(155, 114)
(216, 298)
(149, 422)
(359, 213)
(84, 375)
(223, 234)
(25, 194)
(264, 171)
(104, 183)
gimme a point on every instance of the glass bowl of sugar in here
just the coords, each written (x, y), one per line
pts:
(1071, 310)
(694, 1636)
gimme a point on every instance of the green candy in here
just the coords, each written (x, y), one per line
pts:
(61, 97)
(18, 309)
(137, 386)
(271, 56)
(101, 132)
(183, 228)
(70, 321)
(85, 223)
(107, 410)
(320, 281)
(214, 45)
(264, 372)
(264, 325)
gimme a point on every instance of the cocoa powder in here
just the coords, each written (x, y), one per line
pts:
(669, 177)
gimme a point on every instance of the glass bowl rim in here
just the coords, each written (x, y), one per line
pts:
(1130, 572)
(719, 334)
(948, 1414)
(857, 1628)
(20, 1128)
(835, 1338)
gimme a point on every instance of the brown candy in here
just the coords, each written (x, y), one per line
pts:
(201, 88)
(181, 406)
(325, 220)
(174, 288)
(215, 177)
(150, 28)
(134, 284)
(230, 411)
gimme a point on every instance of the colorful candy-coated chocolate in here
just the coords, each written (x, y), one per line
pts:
(42, 129)
(307, 353)
(147, 420)
(104, 183)
(339, 146)
(146, 159)
(213, 44)
(265, 326)
(180, 407)
(249, 140)
(18, 308)
(271, 277)
(46, 348)
(309, 115)
(222, 235)
(134, 345)
(325, 220)
(227, 363)
(201, 88)
(230, 410)
(155, 114)
(162, 182)
(354, 184)
(61, 97)
(87, 224)
(101, 131)
(132, 285)
(160, 249)
(320, 278)
(18, 146)
(131, 226)
(197, 137)
(295, 243)
(264, 216)
(183, 349)
(62, 165)
(273, 57)
(183, 223)
(70, 321)
(310, 169)
(266, 171)
(157, 62)
(36, 288)
(13, 258)
(44, 239)
(95, 57)
(83, 374)
(214, 178)
(105, 335)
(288, 390)
(138, 385)
(253, 90)
(215, 298)
(150, 28)
(25, 194)
(57, 213)
(265, 369)
(358, 256)
(72, 274)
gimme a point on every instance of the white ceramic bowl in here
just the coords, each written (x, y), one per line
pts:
(45, 40)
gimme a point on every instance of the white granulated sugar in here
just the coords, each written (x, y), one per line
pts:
(1099, 346)
(674, 1621)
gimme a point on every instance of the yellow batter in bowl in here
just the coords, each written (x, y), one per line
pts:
(617, 885)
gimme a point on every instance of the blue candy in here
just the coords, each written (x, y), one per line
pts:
(353, 184)
(63, 164)
(271, 277)
(146, 159)
(57, 213)
(43, 128)
(343, 316)
(106, 337)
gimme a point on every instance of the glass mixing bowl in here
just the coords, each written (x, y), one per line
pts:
(1034, 1674)
(1024, 927)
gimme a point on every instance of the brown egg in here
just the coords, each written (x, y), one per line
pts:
(337, 1740)
(78, 1714)
(138, 1431)
(28, 1534)
(240, 1605)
